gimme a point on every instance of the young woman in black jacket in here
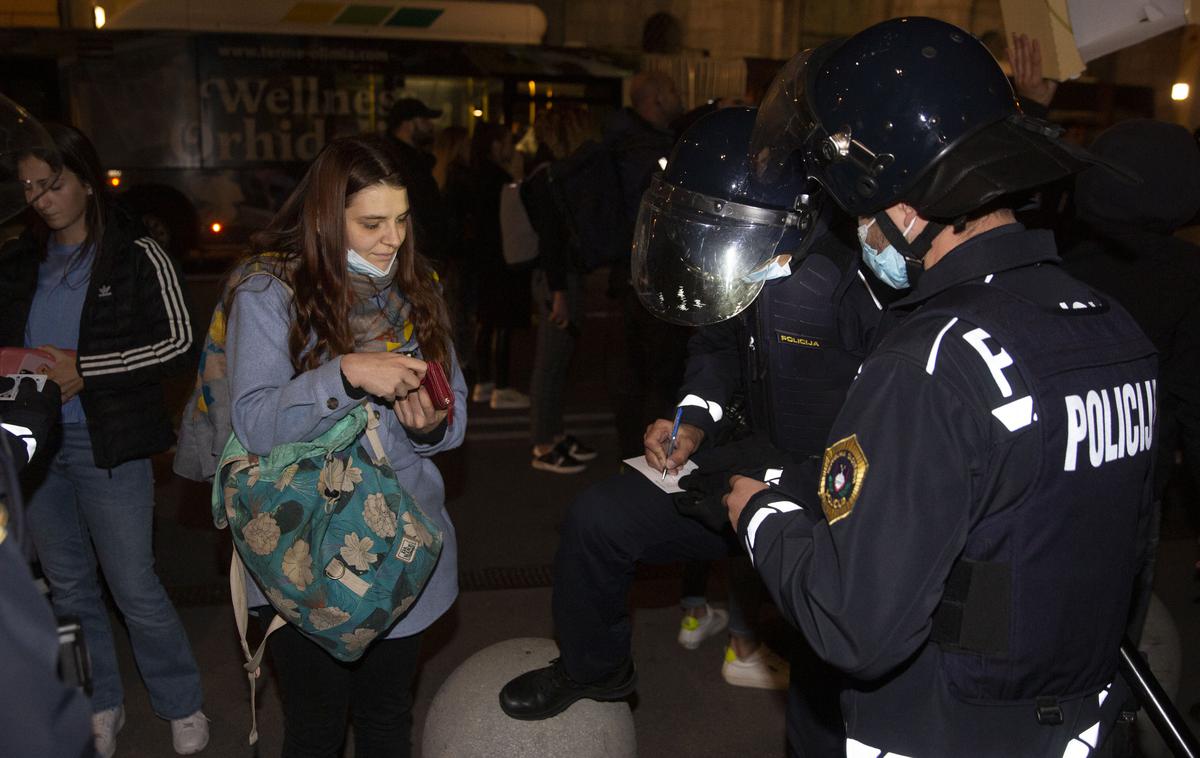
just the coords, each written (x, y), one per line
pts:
(85, 285)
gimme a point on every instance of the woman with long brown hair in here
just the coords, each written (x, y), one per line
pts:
(350, 312)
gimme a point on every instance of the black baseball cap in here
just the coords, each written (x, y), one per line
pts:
(409, 108)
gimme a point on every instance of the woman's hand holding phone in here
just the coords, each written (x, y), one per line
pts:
(391, 376)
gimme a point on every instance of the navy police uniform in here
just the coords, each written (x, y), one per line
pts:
(822, 317)
(39, 714)
(984, 497)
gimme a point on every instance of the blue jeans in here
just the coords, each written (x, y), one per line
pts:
(78, 513)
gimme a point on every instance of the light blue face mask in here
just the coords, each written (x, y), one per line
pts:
(888, 264)
(361, 265)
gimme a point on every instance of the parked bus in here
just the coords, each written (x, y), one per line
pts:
(205, 134)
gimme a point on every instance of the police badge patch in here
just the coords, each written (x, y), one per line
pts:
(842, 475)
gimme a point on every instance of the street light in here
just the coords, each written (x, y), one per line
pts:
(1180, 91)
(100, 16)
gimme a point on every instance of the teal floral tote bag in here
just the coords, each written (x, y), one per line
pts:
(338, 546)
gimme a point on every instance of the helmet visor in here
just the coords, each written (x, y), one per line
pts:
(21, 137)
(784, 121)
(699, 260)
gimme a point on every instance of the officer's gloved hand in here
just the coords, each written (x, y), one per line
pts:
(707, 485)
(29, 410)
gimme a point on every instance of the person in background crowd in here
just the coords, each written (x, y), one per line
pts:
(1126, 248)
(969, 554)
(305, 347)
(411, 132)
(504, 303)
(87, 285)
(558, 296)
(451, 151)
(644, 375)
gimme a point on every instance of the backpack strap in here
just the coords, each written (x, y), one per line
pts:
(372, 434)
(241, 615)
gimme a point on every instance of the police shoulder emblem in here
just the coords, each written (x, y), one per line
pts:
(842, 475)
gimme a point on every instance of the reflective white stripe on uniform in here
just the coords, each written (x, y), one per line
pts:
(1083, 745)
(714, 409)
(773, 475)
(769, 509)
(856, 749)
(871, 292)
(26, 435)
(937, 343)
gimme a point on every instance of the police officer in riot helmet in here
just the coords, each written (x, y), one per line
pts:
(711, 240)
(968, 555)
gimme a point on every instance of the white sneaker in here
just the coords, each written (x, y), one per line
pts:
(693, 630)
(482, 392)
(190, 734)
(507, 398)
(763, 669)
(105, 725)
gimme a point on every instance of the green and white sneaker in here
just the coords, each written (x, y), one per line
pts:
(763, 669)
(693, 630)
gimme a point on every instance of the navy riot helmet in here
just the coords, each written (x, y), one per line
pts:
(710, 232)
(910, 110)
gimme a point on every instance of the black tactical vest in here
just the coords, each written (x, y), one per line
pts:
(799, 366)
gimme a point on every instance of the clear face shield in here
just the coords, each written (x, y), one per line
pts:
(21, 136)
(700, 260)
(784, 124)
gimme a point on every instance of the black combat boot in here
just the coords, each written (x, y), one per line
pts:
(546, 692)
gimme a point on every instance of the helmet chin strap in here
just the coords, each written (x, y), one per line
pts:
(913, 252)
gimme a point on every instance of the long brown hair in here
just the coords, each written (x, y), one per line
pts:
(308, 233)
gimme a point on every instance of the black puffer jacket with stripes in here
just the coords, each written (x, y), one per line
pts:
(135, 330)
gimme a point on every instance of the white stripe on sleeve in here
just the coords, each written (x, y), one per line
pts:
(178, 319)
(714, 409)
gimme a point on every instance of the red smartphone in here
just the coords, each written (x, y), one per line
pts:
(438, 387)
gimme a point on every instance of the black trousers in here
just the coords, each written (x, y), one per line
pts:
(609, 528)
(318, 693)
(625, 520)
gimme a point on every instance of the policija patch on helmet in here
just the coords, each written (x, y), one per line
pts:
(842, 475)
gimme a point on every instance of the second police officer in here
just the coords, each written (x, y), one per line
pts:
(710, 241)
(968, 557)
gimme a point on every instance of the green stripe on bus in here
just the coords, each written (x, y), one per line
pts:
(418, 18)
(363, 15)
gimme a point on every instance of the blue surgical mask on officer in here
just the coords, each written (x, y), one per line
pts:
(888, 264)
(361, 265)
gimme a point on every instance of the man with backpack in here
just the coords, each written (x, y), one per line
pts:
(647, 369)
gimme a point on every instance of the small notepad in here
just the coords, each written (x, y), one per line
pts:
(670, 485)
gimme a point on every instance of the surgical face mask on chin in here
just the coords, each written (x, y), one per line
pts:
(888, 264)
(361, 265)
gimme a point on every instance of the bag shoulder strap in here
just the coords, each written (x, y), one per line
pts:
(373, 438)
(241, 615)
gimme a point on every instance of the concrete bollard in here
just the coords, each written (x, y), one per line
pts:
(465, 719)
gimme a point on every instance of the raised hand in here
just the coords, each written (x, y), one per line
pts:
(1025, 55)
